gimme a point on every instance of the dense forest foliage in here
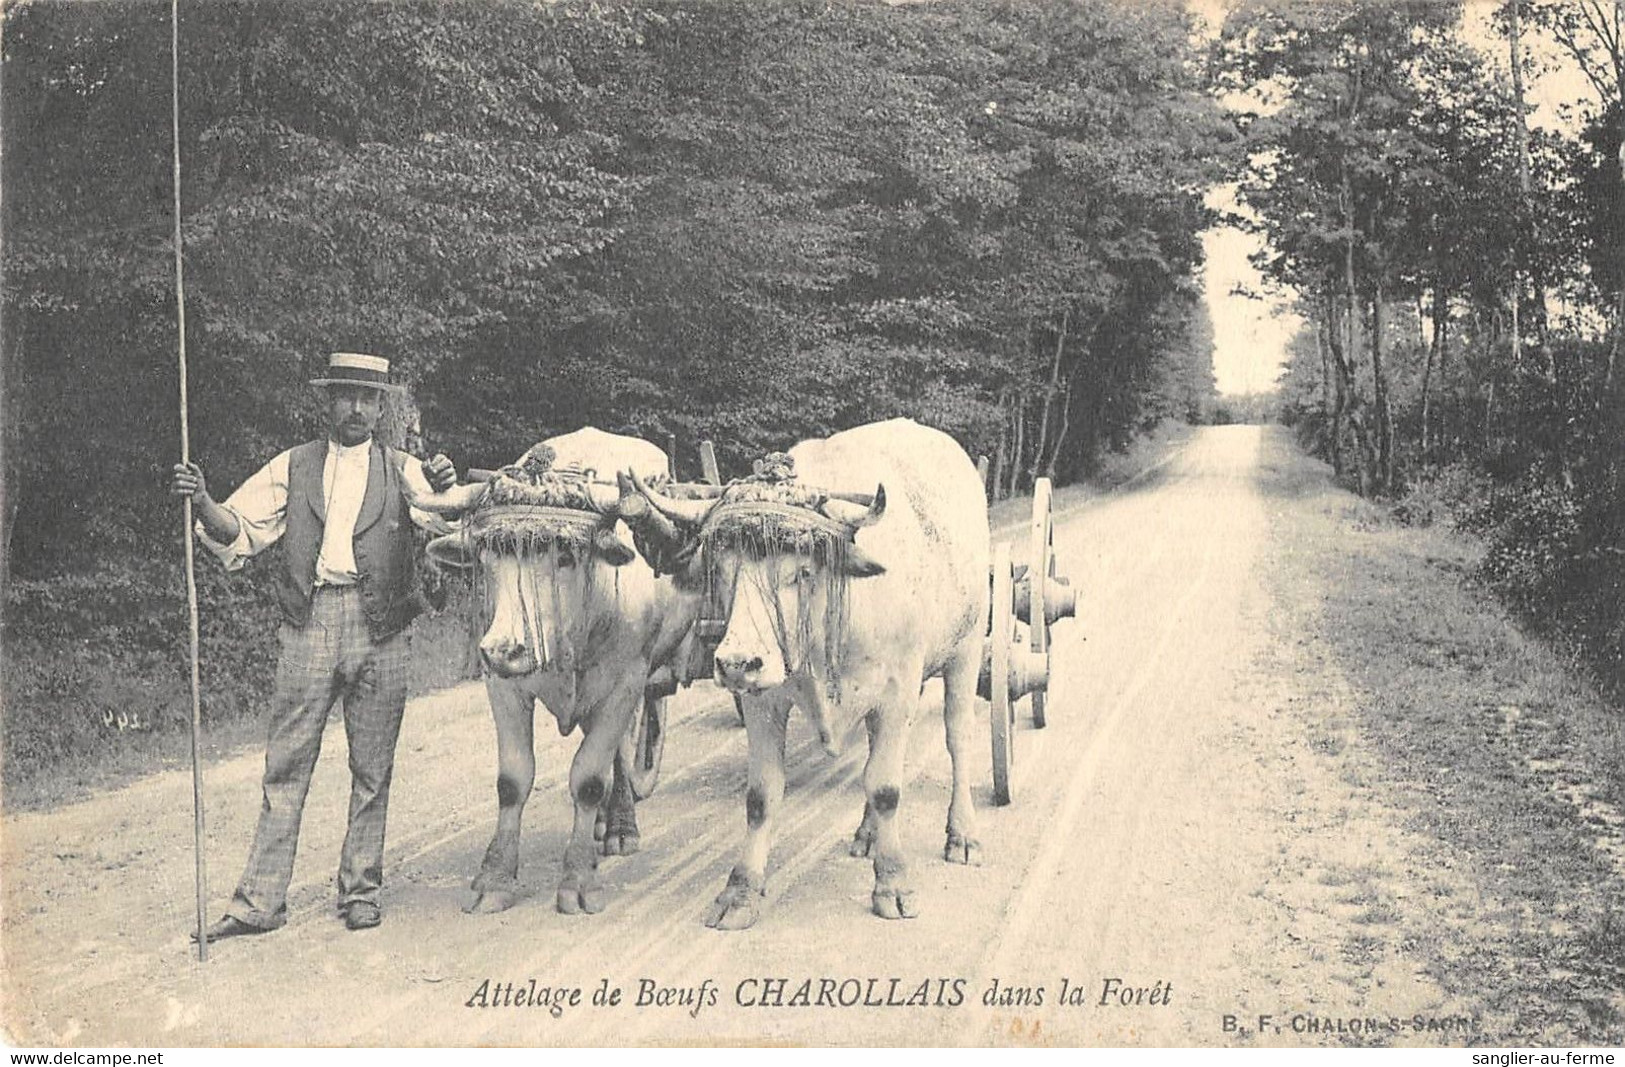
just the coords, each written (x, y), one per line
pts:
(734, 220)
(1462, 269)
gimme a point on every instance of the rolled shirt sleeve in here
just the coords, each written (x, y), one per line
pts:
(417, 488)
(261, 507)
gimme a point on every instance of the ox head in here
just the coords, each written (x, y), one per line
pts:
(545, 544)
(774, 558)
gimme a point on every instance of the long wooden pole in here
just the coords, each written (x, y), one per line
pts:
(202, 879)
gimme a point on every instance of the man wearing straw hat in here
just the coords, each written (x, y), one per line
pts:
(348, 590)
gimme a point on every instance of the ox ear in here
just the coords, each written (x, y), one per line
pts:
(665, 546)
(859, 564)
(451, 550)
(689, 576)
(611, 549)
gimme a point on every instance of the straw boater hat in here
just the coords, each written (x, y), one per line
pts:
(353, 368)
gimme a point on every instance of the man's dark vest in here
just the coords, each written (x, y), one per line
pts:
(385, 551)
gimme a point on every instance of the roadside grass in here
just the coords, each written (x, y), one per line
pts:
(1506, 760)
(80, 719)
(1343, 874)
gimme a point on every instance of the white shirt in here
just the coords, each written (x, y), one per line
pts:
(261, 507)
(344, 483)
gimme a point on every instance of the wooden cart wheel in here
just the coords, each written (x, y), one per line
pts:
(648, 745)
(1001, 714)
(1040, 566)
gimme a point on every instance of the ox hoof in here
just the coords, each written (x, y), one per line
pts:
(863, 842)
(621, 841)
(598, 825)
(491, 901)
(894, 903)
(494, 880)
(962, 849)
(578, 898)
(737, 908)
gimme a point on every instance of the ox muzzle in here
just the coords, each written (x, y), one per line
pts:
(506, 657)
(743, 672)
(750, 656)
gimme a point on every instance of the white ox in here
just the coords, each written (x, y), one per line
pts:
(601, 634)
(915, 607)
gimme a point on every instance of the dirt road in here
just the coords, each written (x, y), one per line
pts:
(1177, 830)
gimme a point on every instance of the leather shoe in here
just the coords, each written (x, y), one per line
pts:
(230, 926)
(362, 915)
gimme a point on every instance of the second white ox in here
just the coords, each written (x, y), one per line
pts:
(847, 618)
(580, 630)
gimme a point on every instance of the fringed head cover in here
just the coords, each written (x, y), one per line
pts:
(770, 514)
(536, 513)
(530, 507)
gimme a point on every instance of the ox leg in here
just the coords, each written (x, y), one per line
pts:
(740, 903)
(617, 822)
(580, 889)
(496, 886)
(863, 838)
(882, 782)
(959, 708)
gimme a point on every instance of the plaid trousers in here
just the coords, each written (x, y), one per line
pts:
(331, 658)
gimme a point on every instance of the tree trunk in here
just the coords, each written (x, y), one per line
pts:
(1619, 300)
(1018, 446)
(1613, 349)
(1041, 443)
(1548, 358)
(1520, 135)
(1060, 435)
(1348, 396)
(995, 481)
(1328, 330)
(15, 322)
(1435, 358)
(1363, 439)
(1351, 349)
(1328, 423)
(1428, 355)
(1379, 392)
(1349, 404)
(1517, 321)
(1442, 431)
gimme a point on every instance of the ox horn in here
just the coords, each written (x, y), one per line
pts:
(690, 512)
(606, 499)
(843, 509)
(450, 550)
